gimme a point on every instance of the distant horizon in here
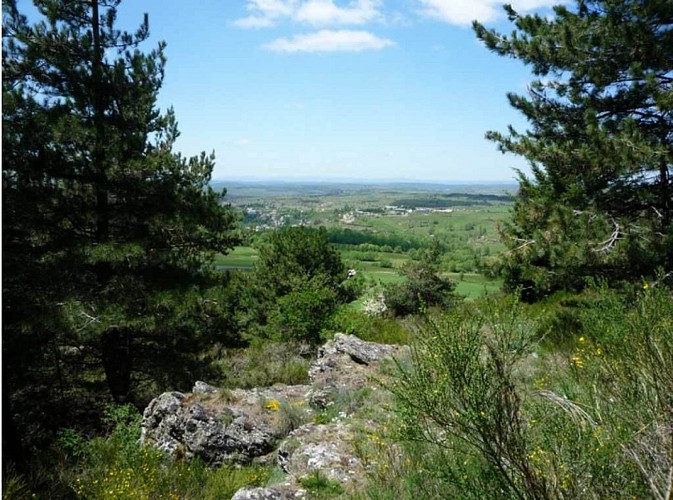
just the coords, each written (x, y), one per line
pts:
(355, 180)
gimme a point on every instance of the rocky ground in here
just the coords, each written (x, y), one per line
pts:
(307, 430)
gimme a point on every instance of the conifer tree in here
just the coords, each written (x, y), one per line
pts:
(108, 234)
(600, 144)
(297, 284)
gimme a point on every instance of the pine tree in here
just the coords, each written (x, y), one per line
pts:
(424, 287)
(600, 144)
(108, 234)
(297, 284)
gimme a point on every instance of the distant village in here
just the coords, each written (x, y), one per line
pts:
(268, 217)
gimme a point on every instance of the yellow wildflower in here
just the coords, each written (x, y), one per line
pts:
(273, 405)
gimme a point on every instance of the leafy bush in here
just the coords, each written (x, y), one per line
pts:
(424, 286)
(302, 313)
(481, 412)
(294, 288)
(352, 288)
(298, 254)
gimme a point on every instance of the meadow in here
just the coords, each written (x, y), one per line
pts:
(379, 229)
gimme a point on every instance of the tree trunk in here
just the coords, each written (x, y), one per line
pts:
(12, 447)
(102, 209)
(117, 362)
(664, 181)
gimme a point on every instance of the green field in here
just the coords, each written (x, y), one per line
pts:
(474, 285)
(470, 285)
(380, 228)
(239, 257)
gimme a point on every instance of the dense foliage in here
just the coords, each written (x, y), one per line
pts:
(425, 286)
(107, 234)
(295, 286)
(482, 415)
(600, 144)
(393, 241)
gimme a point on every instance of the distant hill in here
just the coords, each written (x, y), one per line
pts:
(246, 189)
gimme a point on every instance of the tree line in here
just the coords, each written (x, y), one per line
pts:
(345, 236)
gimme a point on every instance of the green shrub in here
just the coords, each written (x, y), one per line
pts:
(343, 403)
(371, 328)
(118, 467)
(628, 350)
(424, 286)
(301, 314)
(592, 421)
(262, 364)
(71, 442)
(15, 486)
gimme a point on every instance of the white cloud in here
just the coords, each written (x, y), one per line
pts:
(325, 12)
(265, 13)
(272, 8)
(242, 142)
(330, 41)
(254, 22)
(463, 12)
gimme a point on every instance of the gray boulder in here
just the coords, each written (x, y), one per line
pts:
(344, 364)
(224, 426)
(182, 427)
(241, 426)
(203, 388)
(283, 491)
(359, 351)
(252, 493)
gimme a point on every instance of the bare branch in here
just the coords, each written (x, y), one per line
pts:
(607, 245)
(524, 244)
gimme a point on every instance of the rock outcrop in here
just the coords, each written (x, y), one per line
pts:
(275, 424)
(346, 363)
(223, 426)
(327, 448)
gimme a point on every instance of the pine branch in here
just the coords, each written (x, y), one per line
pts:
(608, 244)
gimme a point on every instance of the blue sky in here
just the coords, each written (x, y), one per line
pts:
(338, 89)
